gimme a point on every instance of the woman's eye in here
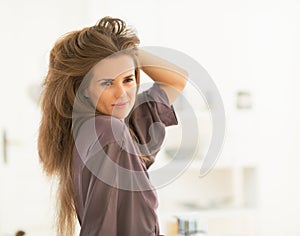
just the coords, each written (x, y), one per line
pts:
(129, 79)
(106, 83)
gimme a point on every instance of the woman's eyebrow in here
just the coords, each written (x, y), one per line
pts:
(110, 79)
(106, 79)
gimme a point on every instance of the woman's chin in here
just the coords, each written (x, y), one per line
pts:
(120, 115)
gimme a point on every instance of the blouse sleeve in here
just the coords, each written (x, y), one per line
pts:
(151, 114)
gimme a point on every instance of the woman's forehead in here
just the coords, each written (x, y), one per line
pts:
(114, 66)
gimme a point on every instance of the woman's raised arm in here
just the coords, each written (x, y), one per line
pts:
(171, 78)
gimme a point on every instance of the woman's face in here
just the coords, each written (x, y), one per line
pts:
(113, 88)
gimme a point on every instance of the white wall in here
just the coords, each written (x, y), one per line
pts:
(28, 31)
(275, 40)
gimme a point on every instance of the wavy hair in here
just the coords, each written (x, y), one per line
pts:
(71, 59)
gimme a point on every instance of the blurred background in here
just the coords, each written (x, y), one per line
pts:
(249, 48)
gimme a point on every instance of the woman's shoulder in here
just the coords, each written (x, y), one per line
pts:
(103, 130)
(154, 94)
(109, 128)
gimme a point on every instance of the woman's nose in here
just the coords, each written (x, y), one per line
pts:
(119, 91)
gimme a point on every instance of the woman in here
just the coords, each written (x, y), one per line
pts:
(96, 133)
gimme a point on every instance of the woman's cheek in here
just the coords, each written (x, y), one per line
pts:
(133, 90)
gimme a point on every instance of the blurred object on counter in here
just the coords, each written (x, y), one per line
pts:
(243, 99)
(20, 233)
(190, 226)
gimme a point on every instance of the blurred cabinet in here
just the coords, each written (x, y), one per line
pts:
(225, 201)
(25, 192)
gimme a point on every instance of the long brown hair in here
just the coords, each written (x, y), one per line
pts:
(71, 59)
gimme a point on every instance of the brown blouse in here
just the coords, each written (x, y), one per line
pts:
(113, 193)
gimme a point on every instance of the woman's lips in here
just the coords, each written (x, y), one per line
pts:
(120, 105)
